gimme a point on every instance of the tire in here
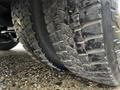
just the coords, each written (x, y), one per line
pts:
(82, 35)
(85, 35)
(28, 20)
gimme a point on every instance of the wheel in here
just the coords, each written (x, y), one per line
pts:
(83, 35)
(95, 40)
(30, 26)
(7, 41)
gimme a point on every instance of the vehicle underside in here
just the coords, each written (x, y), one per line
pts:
(5, 13)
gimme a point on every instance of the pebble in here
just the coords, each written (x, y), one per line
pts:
(23, 73)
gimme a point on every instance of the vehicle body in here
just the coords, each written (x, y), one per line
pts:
(80, 35)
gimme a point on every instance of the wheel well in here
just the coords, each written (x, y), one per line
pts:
(5, 13)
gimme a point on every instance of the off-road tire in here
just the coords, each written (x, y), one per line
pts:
(28, 20)
(82, 34)
(92, 51)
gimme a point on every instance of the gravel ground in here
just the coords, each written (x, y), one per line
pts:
(19, 72)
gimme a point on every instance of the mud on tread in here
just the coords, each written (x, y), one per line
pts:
(25, 31)
(77, 35)
(83, 51)
(59, 32)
